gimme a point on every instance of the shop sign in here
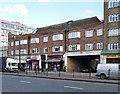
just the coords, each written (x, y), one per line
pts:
(113, 56)
(34, 57)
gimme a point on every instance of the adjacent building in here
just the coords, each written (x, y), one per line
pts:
(15, 28)
(70, 45)
(111, 53)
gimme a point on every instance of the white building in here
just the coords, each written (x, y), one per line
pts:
(13, 28)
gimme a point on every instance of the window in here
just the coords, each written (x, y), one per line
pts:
(2, 37)
(16, 42)
(89, 33)
(58, 37)
(74, 47)
(2, 44)
(88, 46)
(115, 17)
(99, 32)
(114, 46)
(45, 39)
(74, 35)
(57, 49)
(23, 51)
(23, 42)
(12, 43)
(46, 50)
(16, 52)
(113, 3)
(114, 32)
(99, 45)
(12, 52)
(35, 40)
(35, 50)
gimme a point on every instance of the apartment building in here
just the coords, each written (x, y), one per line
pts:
(13, 28)
(111, 53)
(73, 45)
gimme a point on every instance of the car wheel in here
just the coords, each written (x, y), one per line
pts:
(102, 76)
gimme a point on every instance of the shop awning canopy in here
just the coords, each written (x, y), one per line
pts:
(110, 52)
(54, 60)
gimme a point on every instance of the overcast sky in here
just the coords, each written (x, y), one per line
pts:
(40, 13)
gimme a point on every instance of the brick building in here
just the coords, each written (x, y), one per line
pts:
(73, 44)
(111, 53)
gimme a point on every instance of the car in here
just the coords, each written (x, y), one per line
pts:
(89, 70)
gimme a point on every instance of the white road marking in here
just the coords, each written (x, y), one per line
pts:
(25, 82)
(72, 87)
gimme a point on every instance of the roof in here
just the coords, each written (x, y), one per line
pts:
(70, 24)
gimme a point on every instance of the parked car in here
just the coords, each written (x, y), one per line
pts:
(89, 70)
(108, 71)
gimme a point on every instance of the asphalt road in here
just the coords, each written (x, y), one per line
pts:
(27, 84)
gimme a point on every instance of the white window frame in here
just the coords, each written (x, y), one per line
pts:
(12, 52)
(99, 32)
(88, 46)
(36, 50)
(12, 43)
(74, 35)
(114, 32)
(35, 40)
(45, 50)
(99, 46)
(23, 42)
(57, 37)
(59, 47)
(75, 47)
(89, 33)
(17, 52)
(23, 51)
(16, 43)
(113, 46)
(45, 39)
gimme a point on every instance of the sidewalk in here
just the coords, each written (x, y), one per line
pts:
(65, 78)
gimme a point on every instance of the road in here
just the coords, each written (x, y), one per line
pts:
(27, 84)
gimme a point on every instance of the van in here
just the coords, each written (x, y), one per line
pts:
(11, 64)
(108, 71)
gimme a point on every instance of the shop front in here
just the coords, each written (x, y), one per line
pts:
(54, 62)
(110, 57)
(32, 62)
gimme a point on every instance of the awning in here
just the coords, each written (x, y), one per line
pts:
(110, 52)
(54, 60)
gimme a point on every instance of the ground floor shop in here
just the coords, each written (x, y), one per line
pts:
(110, 57)
(54, 62)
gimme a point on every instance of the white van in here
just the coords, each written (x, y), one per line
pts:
(108, 71)
(11, 64)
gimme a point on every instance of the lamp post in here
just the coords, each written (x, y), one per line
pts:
(14, 37)
(19, 56)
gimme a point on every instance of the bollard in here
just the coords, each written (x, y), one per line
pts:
(59, 72)
(47, 72)
(89, 73)
(108, 74)
(73, 73)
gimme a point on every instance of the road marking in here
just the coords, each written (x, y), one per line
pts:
(25, 82)
(72, 87)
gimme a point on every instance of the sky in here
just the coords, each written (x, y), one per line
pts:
(41, 13)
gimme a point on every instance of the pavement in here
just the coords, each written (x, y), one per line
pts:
(65, 78)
